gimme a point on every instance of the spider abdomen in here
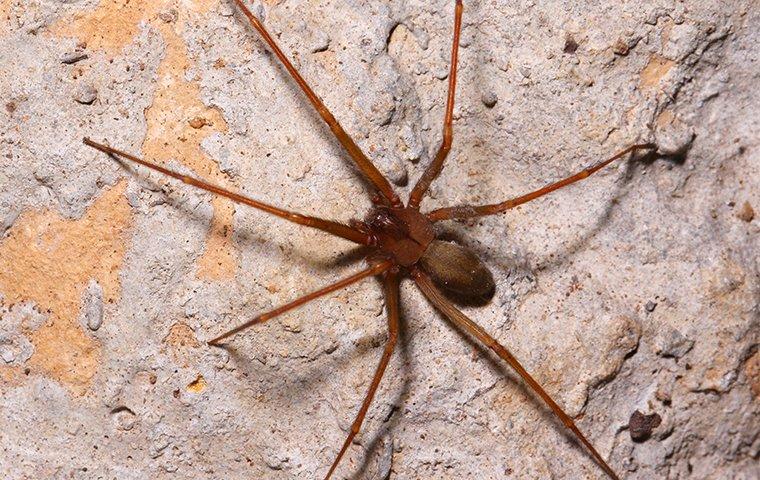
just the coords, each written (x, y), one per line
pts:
(457, 270)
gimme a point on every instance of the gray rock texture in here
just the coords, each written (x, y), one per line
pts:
(634, 290)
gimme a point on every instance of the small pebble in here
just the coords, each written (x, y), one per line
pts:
(652, 17)
(410, 145)
(7, 354)
(10, 218)
(640, 426)
(664, 393)
(169, 16)
(291, 324)
(489, 99)
(226, 9)
(650, 306)
(198, 122)
(86, 94)
(746, 213)
(674, 140)
(441, 73)
(73, 57)
(570, 45)
(321, 42)
(158, 446)
(276, 461)
(93, 305)
(620, 48)
(398, 173)
(124, 418)
(670, 343)
(330, 347)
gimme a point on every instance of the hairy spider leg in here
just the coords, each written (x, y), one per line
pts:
(435, 167)
(329, 226)
(392, 306)
(439, 301)
(357, 155)
(469, 211)
(334, 228)
(374, 270)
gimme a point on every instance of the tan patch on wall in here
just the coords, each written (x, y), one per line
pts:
(177, 120)
(49, 260)
(729, 299)
(655, 71)
(177, 123)
(664, 119)
(181, 343)
(112, 25)
(181, 337)
(752, 369)
(10, 376)
(5, 12)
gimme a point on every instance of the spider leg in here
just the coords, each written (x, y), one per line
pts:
(465, 323)
(328, 226)
(435, 167)
(469, 211)
(365, 164)
(375, 270)
(392, 304)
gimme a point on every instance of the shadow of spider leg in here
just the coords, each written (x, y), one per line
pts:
(440, 302)
(469, 211)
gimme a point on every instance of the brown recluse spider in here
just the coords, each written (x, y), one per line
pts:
(402, 240)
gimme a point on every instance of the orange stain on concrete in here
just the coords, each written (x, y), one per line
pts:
(11, 376)
(181, 337)
(752, 369)
(655, 71)
(178, 120)
(5, 16)
(182, 343)
(664, 119)
(177, 123)
(198, 385)
(49, 260)
(112, 24)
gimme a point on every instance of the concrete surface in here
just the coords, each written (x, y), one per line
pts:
(636, 290)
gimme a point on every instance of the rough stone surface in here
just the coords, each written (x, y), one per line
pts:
(112, 278)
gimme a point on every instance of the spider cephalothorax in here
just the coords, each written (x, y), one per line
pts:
(401, 240)
(402, 234)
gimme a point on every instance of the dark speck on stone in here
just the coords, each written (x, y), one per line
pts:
(489, 99)
(746, 213)
(640, 426)
(570, 45)
(650, 306)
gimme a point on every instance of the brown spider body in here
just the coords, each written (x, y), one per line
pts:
(402, 241)
(407, 238)
(400, 234)
(458, 271)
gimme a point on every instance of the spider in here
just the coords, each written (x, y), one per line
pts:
(401, 239)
